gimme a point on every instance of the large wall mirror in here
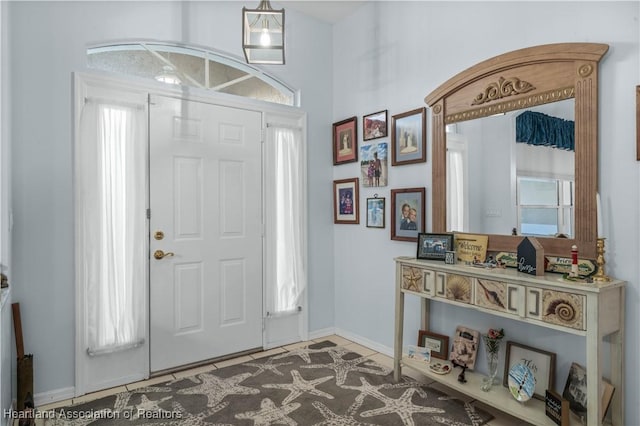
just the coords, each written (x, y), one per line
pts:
(485, 182)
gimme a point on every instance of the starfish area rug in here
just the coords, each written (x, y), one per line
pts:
(322, 385)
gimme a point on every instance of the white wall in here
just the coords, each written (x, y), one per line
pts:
(390, 55)
(47, 42)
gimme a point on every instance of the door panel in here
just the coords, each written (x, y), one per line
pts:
(205, 196)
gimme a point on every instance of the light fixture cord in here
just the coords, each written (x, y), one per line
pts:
(265, 5)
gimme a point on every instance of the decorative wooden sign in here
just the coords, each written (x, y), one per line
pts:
(470, 248)
(556, 408)
(530, 256)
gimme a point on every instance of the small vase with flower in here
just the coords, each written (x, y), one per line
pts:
(492, 341)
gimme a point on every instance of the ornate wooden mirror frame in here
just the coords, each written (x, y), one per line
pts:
(521, 79)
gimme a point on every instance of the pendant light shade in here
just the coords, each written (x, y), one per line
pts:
(263, 34)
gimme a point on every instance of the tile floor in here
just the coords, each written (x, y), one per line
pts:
(500, 419)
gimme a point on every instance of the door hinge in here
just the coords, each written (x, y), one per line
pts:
(148, 213)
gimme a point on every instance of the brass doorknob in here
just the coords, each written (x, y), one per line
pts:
(159, 254)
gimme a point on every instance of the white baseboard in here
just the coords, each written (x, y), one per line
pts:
(317, 334)
(56, 395)
(365, 342)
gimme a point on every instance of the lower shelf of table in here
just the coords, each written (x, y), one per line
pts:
(499, 396)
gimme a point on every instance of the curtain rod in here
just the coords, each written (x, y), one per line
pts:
(114, 102)
(284, 126)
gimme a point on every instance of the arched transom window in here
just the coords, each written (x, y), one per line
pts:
(188, 66)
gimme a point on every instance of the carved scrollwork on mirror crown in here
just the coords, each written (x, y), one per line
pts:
(512, 81)
(505, 87)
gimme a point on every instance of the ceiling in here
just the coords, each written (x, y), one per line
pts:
(330, 11)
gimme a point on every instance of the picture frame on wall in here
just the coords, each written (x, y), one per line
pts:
(376, 212)
(407, 213)
(434, 246)
(345, 141)
(374, 164)
(544, 362)
(409, 137)
(437, 343)
(374, 125)
(345, 201)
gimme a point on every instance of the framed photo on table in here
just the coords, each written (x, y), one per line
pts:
(434, 246)
(345, 141)
(438, 343)
(374, 125)
(345, 201)
(544, 362)
(407, 213)
(409, 137)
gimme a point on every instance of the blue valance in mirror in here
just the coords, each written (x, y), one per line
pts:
(536, 128)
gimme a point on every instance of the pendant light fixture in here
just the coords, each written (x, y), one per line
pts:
(263, 34)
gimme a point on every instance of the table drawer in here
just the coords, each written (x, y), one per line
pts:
(563, 308)
(499, 296)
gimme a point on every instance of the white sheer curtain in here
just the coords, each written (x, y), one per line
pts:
(290, 280)
(111, 182)
(456, 185)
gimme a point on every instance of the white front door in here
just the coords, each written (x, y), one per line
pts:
(206, 217)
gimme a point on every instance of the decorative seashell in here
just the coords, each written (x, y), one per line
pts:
(458, 288)
(411, 278)
(563, 309)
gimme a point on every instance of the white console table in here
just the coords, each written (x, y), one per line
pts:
(595, 310)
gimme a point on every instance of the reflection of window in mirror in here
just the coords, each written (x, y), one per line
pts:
(457, 183)
(545, 206)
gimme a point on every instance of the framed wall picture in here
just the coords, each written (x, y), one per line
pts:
(345, 141)
(407, 213)
(409, 137)
(374, 125)
(434, 246)
(374, 164)
(544, 362)
(345, 201)
(438, 343)
(375, 212)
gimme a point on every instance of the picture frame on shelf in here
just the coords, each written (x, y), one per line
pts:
(407, 213)
(409, 137)
(376, 212)
(544, 362)
(374, 125)
(575, 391)
(434, 246)
(418, 353)
(438, 344)
(464, 349)
(345, 201)
(556, 408)
(345, 141)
